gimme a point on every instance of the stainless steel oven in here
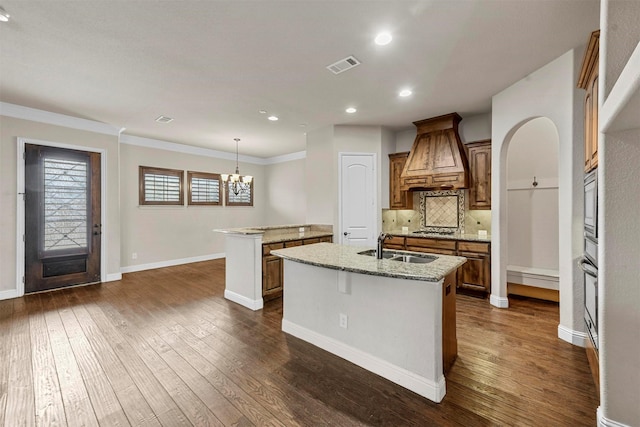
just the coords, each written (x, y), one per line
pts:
(591, 205)
(589, 261)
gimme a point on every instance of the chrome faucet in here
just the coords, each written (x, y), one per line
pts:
(381, 238)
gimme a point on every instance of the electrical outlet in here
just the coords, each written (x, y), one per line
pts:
(134, 255)
(344, 320)
(300, 229)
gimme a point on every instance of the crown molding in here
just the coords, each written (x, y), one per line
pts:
(207, 152)
(41, 116)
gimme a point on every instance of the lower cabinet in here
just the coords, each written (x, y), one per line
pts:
(475, 274)
(449, 338)
(474, 277)
(272, 266)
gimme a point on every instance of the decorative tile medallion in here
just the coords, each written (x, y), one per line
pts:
(442, 211)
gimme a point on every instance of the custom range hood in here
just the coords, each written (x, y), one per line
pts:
(437, 160)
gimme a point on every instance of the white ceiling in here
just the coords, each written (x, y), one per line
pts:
(212, 65)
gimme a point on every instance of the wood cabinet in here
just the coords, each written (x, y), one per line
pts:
(398, 199)
(588, 81)
(449, 338)
(475, 274)
(273, 266)
(473, 277)
(437, 159)
(479, 155)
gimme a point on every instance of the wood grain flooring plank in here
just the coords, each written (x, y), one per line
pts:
(75, 397)
(169, 346)
(168, 335)
(103, 398)
(6, 320)
(192, 407)
(157, 397)
(48, 398)
(20, 409)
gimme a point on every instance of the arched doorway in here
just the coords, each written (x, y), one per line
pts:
(533, 210)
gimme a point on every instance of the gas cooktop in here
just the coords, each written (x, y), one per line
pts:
(435, 232)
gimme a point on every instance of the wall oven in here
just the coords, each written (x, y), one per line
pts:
(589, 261)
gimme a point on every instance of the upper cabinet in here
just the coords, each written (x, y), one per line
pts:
(398, 199)
(588, 81)
(437, 160)
(479, 155)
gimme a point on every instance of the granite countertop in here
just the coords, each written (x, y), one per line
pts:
(287, 236)
(282, 233)
(469, 237)
(346, 258)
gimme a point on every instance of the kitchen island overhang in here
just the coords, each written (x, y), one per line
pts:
(382, 315)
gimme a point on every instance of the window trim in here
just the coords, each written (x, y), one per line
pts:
(204, 175)
(226, 196)
(142, 170)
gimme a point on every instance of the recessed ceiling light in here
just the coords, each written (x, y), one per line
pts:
(350, 110)
(4, 16)
(164, 119)
(262, 111)
(303, 125)
(383, 39)
(273, 118)
(404, 93)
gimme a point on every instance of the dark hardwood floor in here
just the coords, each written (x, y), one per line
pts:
(163, 347)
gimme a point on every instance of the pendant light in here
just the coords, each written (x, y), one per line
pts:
(235, 182)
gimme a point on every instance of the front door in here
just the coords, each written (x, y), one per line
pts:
(62, 217)
(357, 191)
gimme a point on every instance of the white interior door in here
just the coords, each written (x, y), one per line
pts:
(358, 209)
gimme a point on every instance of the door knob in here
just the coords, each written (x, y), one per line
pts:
(346, 233)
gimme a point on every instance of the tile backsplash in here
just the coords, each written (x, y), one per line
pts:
(442, 209)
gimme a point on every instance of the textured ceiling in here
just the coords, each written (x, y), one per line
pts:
(212, 65)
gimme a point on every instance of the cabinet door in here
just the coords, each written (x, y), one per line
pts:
(480, 166)
(449, 339)
(475, 273)
(398, 199)
(272, 277)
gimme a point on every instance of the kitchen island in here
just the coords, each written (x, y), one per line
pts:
(252, 274)
(393, 318)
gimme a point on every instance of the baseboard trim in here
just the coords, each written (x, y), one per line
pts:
(530, 276)
(170, 263)
(533, 292)
(113, 277)
(8, 294)
(434, 391)
(243, 301)
(605, 422)
(500, 302)
(572, 337)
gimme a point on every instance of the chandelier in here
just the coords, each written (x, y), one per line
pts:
(235, 182)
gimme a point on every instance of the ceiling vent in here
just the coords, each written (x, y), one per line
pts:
(164, 119)
(343, 65)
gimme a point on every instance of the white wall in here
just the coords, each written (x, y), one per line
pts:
(548, 92)
(285, 199)
(619, 230)
(532, 230)
(475, 128)
(165, 233)
(323, 146)
(10, 129)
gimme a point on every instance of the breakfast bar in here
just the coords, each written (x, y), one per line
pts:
(392, 316)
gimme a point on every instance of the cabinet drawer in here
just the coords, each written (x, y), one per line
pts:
(311, 241)
(474, 247)
(431, 243)
(395, 242)
(327, 239)
(266, 249)
(293, 243)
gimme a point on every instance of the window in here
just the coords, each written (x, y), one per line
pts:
(160, 186)
(239, 198)
(204, 188)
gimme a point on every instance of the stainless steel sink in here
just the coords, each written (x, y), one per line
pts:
(372, 252)
(413, 258)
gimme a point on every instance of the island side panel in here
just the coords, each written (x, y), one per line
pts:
(243, 270)
(394, 326)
